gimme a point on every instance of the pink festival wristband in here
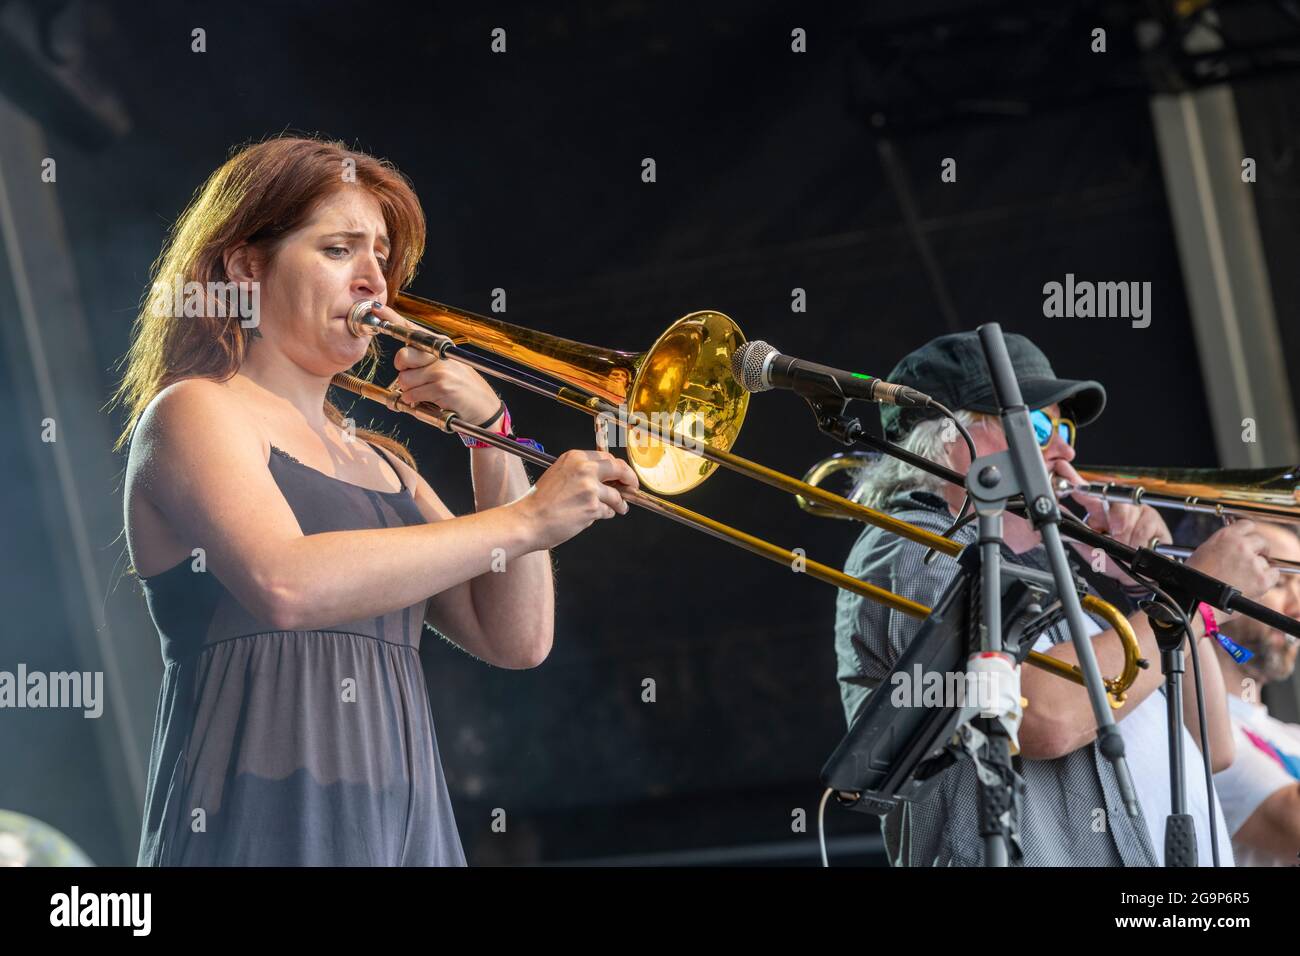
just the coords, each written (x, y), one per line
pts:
(1211, 622)
(506, 430)
(1232, 648)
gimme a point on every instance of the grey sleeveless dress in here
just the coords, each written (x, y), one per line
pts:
(289, 748)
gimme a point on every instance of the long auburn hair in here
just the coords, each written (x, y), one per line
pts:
(261, 193)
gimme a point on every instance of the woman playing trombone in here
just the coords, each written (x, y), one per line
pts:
(290, 561)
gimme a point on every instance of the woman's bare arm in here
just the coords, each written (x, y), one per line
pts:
(507, 616)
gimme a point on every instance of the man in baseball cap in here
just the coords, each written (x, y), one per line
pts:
(1067, 781)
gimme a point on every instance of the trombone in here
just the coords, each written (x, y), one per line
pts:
(1263, 494)
(1267, 494)
(684, 378)
(679, 396)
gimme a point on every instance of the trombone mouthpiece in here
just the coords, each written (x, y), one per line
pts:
(361, 317)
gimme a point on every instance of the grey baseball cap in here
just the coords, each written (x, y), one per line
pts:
(951, 369)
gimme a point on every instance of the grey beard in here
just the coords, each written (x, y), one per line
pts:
(1268, 665)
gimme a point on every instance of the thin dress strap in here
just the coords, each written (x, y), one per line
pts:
(384, 455)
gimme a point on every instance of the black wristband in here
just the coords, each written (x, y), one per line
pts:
(501, 410)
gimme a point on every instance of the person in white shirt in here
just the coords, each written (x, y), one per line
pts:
(1260, 791)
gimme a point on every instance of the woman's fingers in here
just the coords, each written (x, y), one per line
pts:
(611, 469)
(610, 497)
(412, 378)
(412, 358)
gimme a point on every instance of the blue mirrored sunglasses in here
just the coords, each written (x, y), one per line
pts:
(1045, 426)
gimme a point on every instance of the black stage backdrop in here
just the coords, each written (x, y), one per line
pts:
(771, 176)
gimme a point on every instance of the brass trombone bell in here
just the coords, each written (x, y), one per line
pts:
(833, 465)
(683, 381)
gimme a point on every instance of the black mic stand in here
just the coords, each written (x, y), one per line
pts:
(1187, 588)
(1180, 827)
(1020, 470)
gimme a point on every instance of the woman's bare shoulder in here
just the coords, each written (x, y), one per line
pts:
(195, 416)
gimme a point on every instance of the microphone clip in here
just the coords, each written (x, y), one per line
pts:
(829, 410)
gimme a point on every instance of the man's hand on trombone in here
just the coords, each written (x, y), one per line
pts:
(1137, 526)
(1236, 553)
